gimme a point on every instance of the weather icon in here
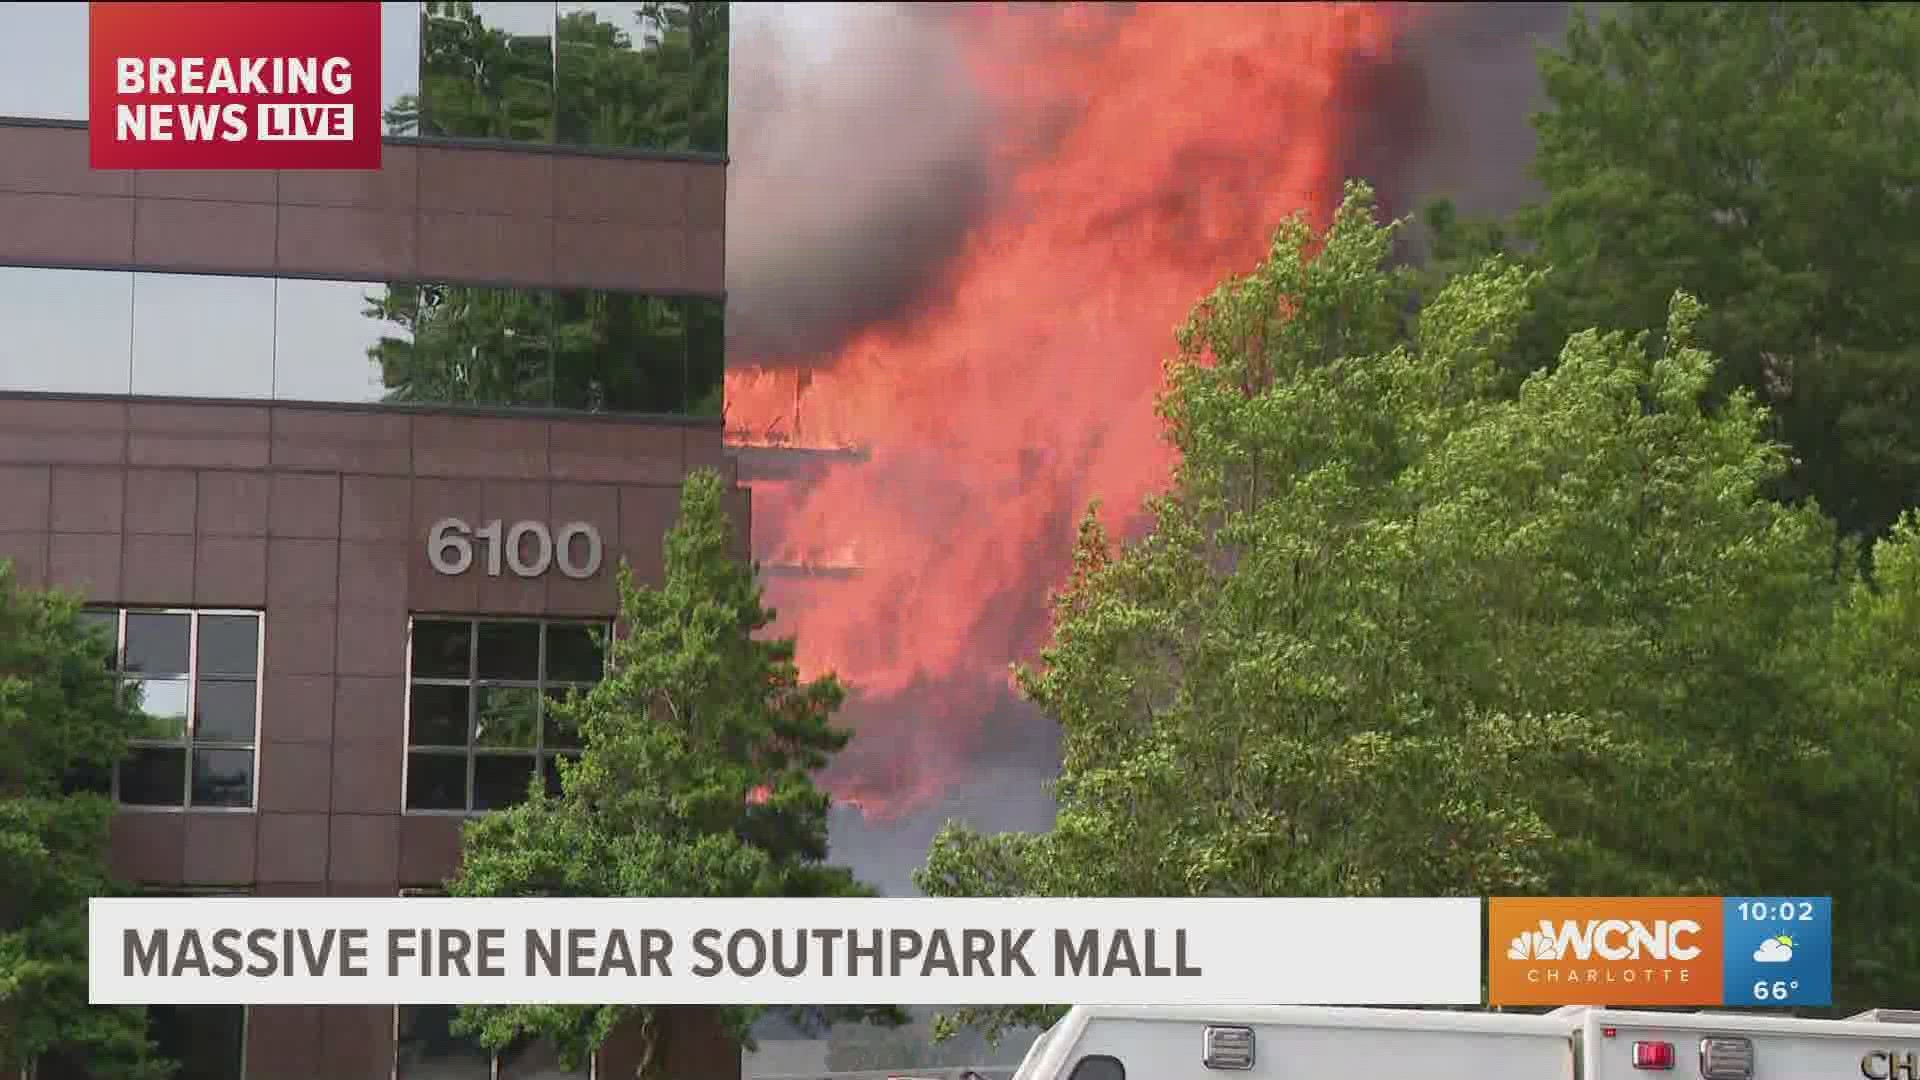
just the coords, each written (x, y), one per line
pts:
(1774, 950)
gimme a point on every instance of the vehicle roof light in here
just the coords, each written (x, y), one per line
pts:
(1653, 1056)
(1724, 1058)
(1228, 1048)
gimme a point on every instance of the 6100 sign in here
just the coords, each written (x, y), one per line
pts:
(525, 549)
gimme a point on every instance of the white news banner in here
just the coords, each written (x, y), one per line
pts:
(287, 951)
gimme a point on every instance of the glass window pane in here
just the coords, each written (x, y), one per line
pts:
(206, 1040)
(157, 644)
(614, 86)
(509, 716)
(467, 345)
(439, 715)
(327, 335)
(400, 66)
(619, 352)
(105, 625)
(500, 780)
(706, 321)
(152, 776)
(427, 1048)
(510, 650)
(164, 701)
(535, 1059)
(96, 779)
(67, 331)
(436, 781)
(43, 71)
(552, 770)
(224, 710)
(486, 71)
(573, 654)
(442, 650)
(558, 730)
(229, 645)
(201, 336)
(222, 777)
(643, 75)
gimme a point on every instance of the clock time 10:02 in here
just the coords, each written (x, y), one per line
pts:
(1775, 911)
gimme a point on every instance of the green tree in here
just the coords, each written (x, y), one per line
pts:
(61, 719)
(696, 778)
(1765, 158)
(1398, 629)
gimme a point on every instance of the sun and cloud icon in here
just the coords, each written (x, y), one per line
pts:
(1774, 950)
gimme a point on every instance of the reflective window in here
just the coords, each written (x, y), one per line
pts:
(196, 678)
(43, 69)
(624, 353)
(651, 75)
(486, 71)
(195, 335)
(426, 1048)
(536, 1059)
(292, 339)
(65, 331)
(326, 342)
(208, 1041)
(465, 345)
(482, 715)
(400, 65)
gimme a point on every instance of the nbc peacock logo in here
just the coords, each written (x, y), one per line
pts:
(1533, 945)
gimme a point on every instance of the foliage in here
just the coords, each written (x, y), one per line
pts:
(659, 83)
(60, 717)
(1765, 158)
(696, 778)
(1400, 630)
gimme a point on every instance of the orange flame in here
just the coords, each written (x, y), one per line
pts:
(1167, 142)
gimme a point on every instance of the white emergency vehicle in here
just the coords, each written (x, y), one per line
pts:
(1182, 1042)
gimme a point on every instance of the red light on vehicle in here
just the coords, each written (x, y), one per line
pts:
(1656, 1056)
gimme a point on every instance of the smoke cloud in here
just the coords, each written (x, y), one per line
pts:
(857, 162)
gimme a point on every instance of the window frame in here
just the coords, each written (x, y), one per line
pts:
(541, 686)
(188, 743)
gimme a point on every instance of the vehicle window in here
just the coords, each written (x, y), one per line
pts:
(1098, 1067)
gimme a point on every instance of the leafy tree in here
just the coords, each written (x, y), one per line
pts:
(1765, 158)
(61, 718)
(1398, 629)
(696, 778)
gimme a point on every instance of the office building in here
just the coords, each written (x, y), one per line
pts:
(238, 410)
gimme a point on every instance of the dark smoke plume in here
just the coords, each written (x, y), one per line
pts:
(858, 160)
(1450, 113)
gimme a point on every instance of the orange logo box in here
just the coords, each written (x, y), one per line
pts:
(1622, 951)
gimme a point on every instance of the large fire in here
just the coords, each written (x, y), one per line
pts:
(1148, 151)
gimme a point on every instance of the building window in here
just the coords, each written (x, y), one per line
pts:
(196, 675)
(480, 722)
(209, 1041)
(426, 1048)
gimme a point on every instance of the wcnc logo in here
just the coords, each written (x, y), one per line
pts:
(1605, 951)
